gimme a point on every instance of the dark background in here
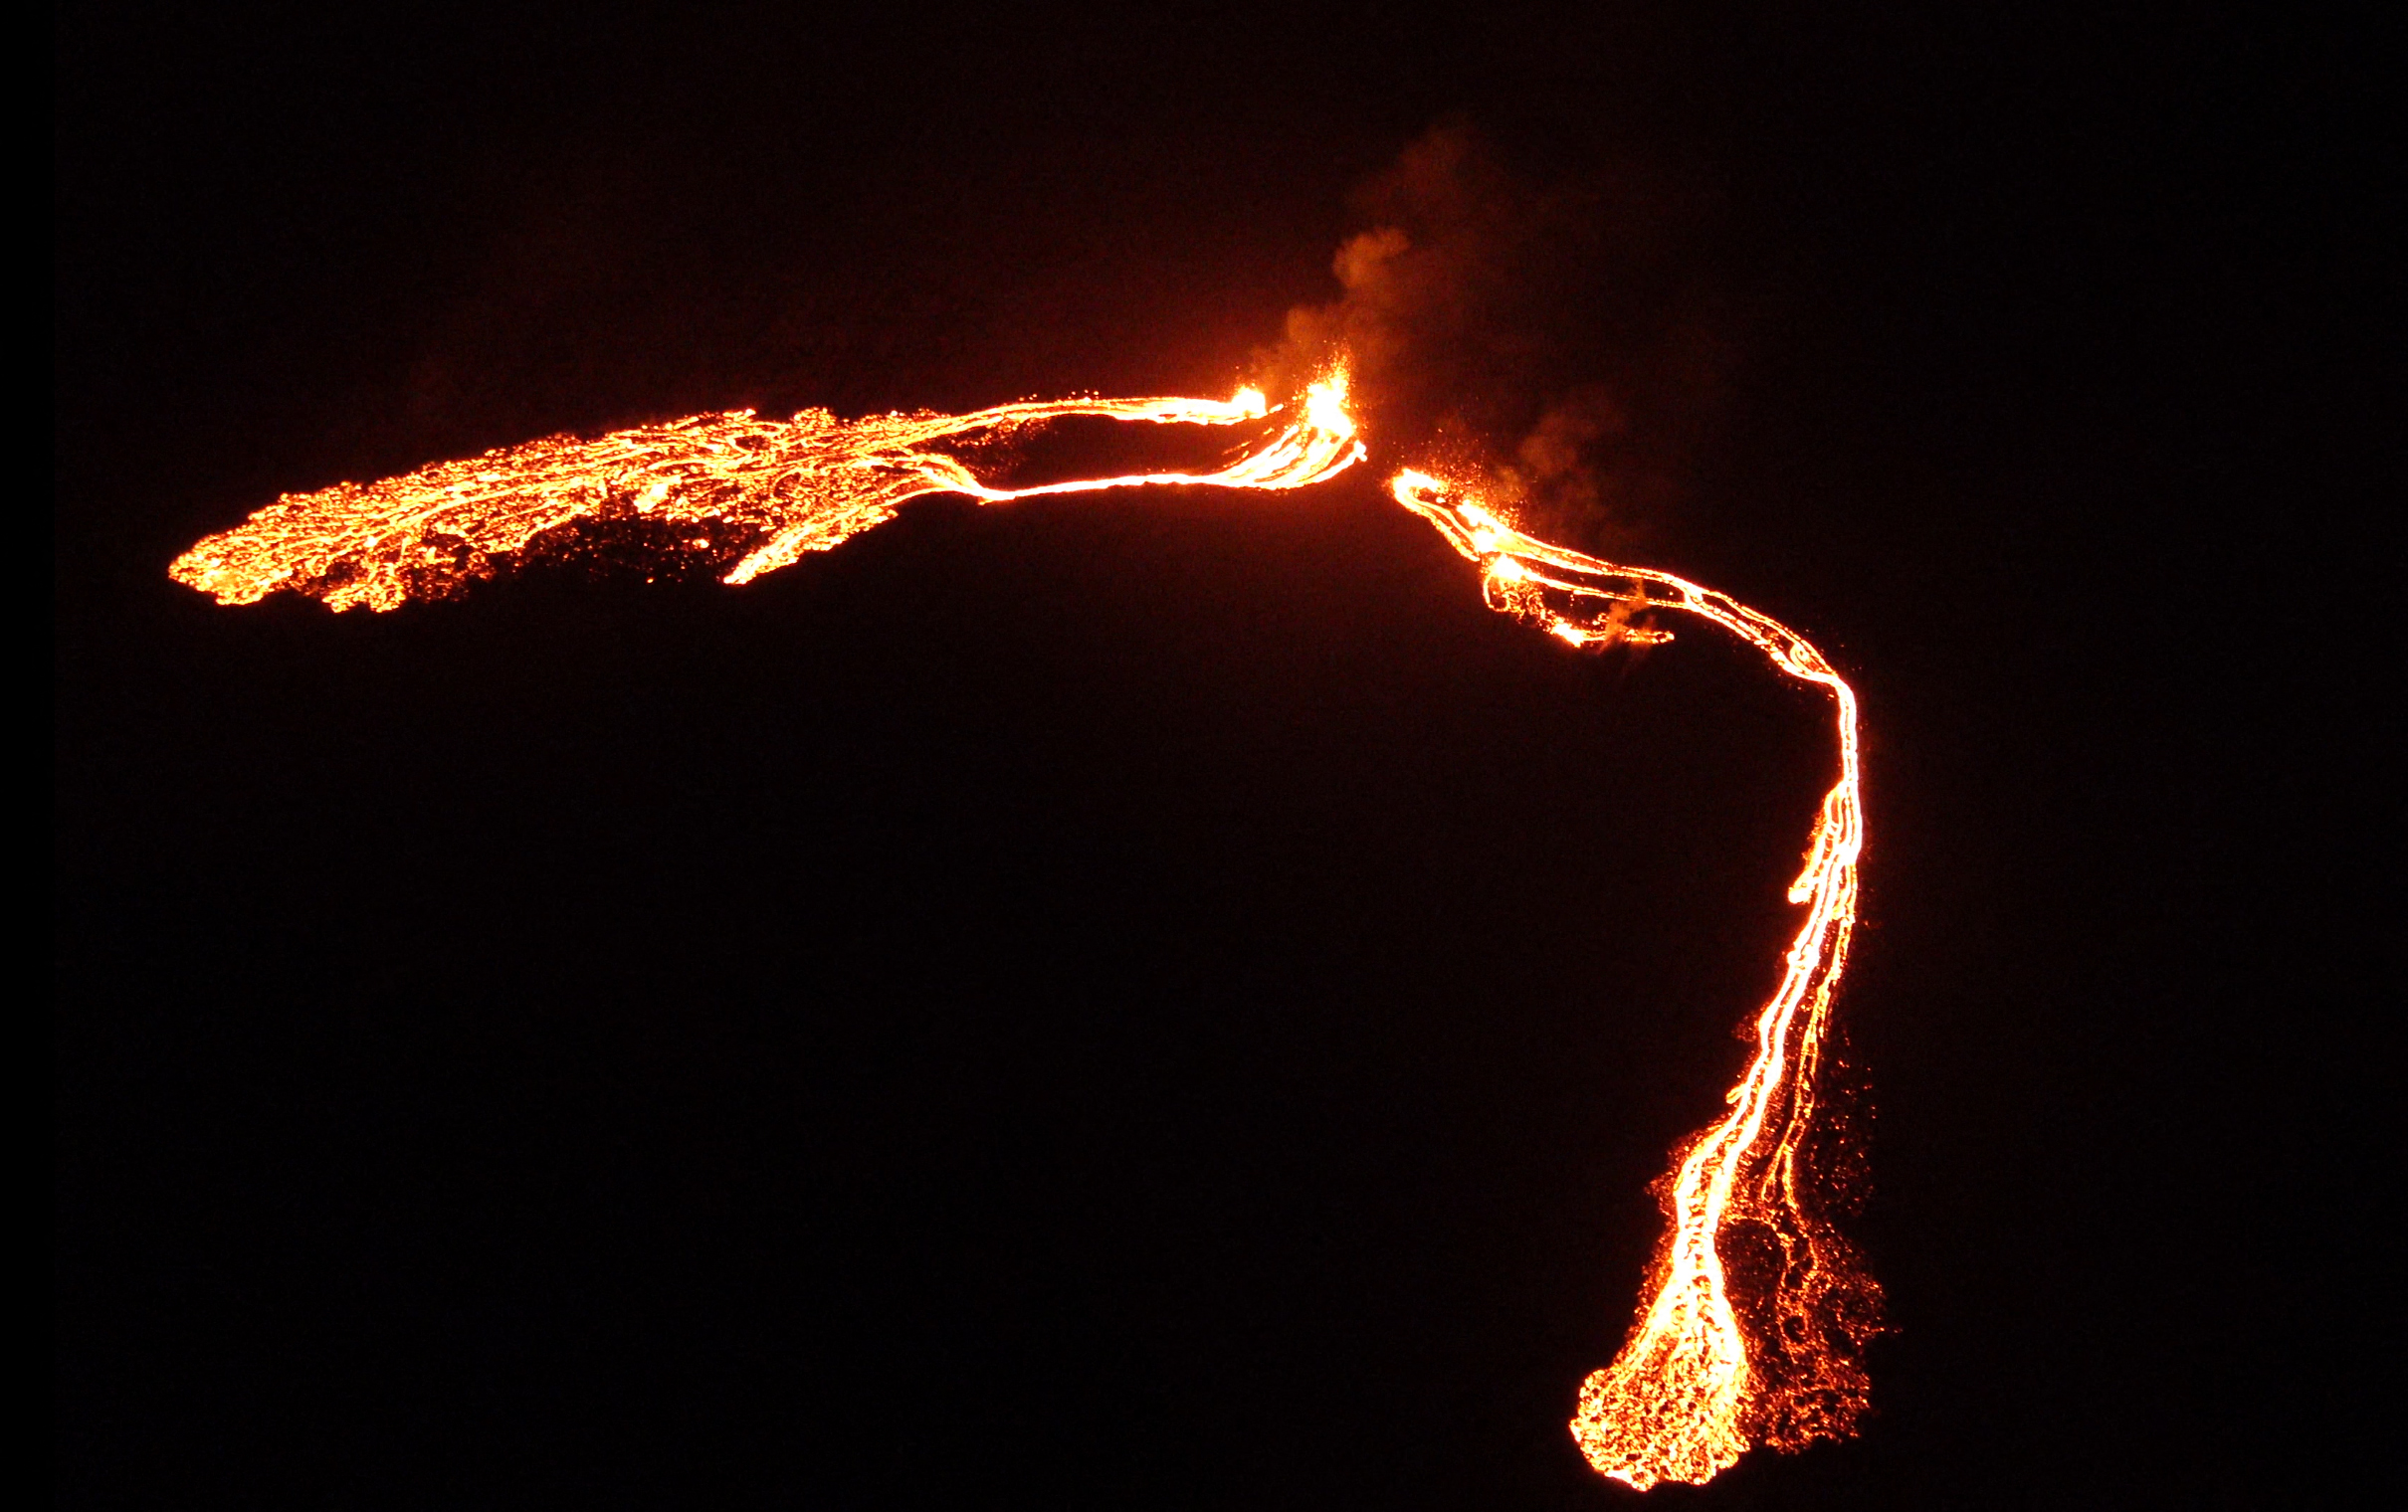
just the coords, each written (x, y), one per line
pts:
(1164, 1001)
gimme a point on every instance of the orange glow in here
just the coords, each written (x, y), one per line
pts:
(1693, 1387)
(1720, 1357)
(786, 486)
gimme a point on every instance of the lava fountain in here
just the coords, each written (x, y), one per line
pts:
(1717, 1360)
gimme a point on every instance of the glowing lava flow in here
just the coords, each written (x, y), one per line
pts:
(1688, 1394)
(784, 487)
(1760, 1310)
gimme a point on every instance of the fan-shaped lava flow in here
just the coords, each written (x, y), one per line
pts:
(782, 487)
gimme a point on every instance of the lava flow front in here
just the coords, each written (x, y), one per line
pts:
(1724, 1353)
(1693, 1387)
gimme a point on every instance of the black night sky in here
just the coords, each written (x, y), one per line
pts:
(1164, 1001)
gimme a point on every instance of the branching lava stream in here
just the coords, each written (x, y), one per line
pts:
(1710, 1367)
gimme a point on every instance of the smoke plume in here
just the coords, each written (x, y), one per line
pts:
(1558, 339)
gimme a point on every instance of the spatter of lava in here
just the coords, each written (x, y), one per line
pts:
(1758, 1313)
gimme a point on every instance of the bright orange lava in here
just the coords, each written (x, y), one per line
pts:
(1724, 1355)
(1693, 1387)
(791, 486)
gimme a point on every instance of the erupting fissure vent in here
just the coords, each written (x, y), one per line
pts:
(1717, 1360)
